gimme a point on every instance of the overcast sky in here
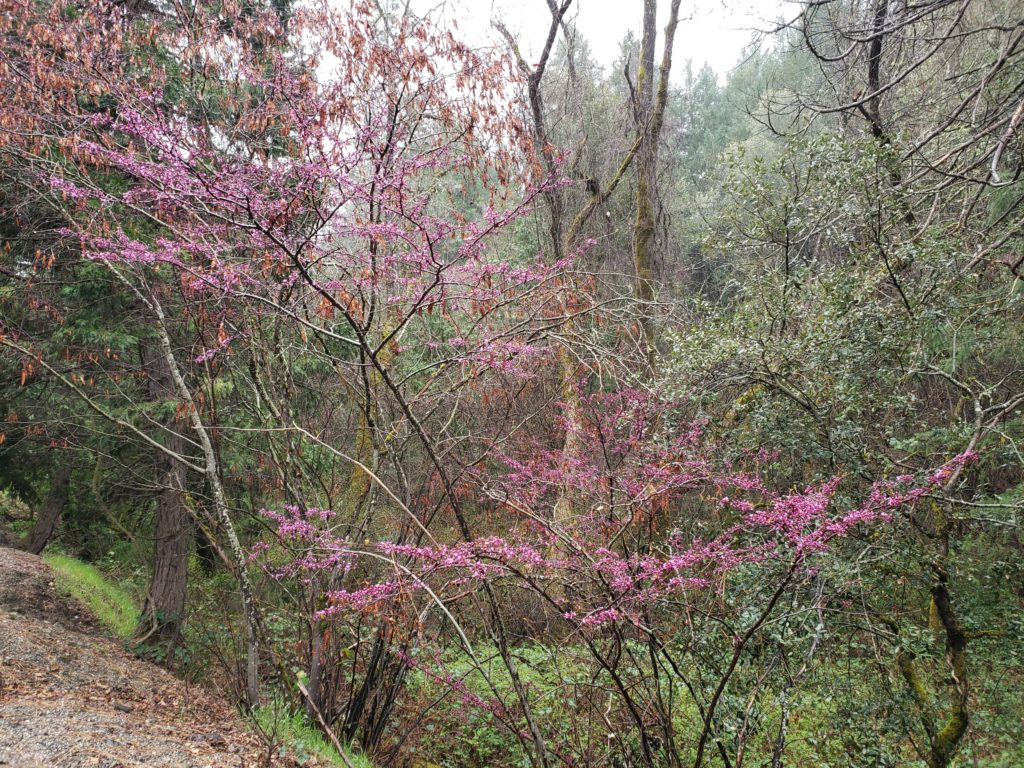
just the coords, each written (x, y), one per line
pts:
(712, 31)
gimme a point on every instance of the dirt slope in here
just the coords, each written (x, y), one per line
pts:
(71, 697)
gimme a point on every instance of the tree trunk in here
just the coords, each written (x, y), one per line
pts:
(650, 111)
(164, 610)
(947, 739)
(211, 470)
(49, 511)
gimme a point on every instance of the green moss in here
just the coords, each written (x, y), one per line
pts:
(947, 740)
(113, 607)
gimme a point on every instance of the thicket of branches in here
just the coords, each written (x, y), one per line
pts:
(637, 417)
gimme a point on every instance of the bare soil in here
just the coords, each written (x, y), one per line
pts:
(71, 697)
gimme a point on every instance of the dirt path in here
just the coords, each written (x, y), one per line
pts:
(71, 697)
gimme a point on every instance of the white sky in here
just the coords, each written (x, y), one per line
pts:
(712, 31)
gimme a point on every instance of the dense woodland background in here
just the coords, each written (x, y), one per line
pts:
(491, 412)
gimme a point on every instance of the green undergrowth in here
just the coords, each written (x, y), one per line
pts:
(300, 739)
(114, 607)
(858, 726)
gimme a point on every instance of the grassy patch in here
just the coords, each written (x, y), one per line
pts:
(302, 740)
(112, 606)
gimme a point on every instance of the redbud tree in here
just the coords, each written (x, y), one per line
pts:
(328, 221)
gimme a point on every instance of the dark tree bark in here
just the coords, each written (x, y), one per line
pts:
(163, 613)
(49, 511)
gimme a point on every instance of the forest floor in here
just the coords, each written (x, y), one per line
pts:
(69, 696)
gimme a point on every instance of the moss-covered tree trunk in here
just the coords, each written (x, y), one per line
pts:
(650, 116)
(946, 741)
(646, 162)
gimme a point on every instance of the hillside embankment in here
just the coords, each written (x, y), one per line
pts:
(71, 697)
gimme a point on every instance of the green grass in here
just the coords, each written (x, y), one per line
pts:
(114, 608)
(300, 738)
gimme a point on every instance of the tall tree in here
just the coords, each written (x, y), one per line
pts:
(649, 114)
